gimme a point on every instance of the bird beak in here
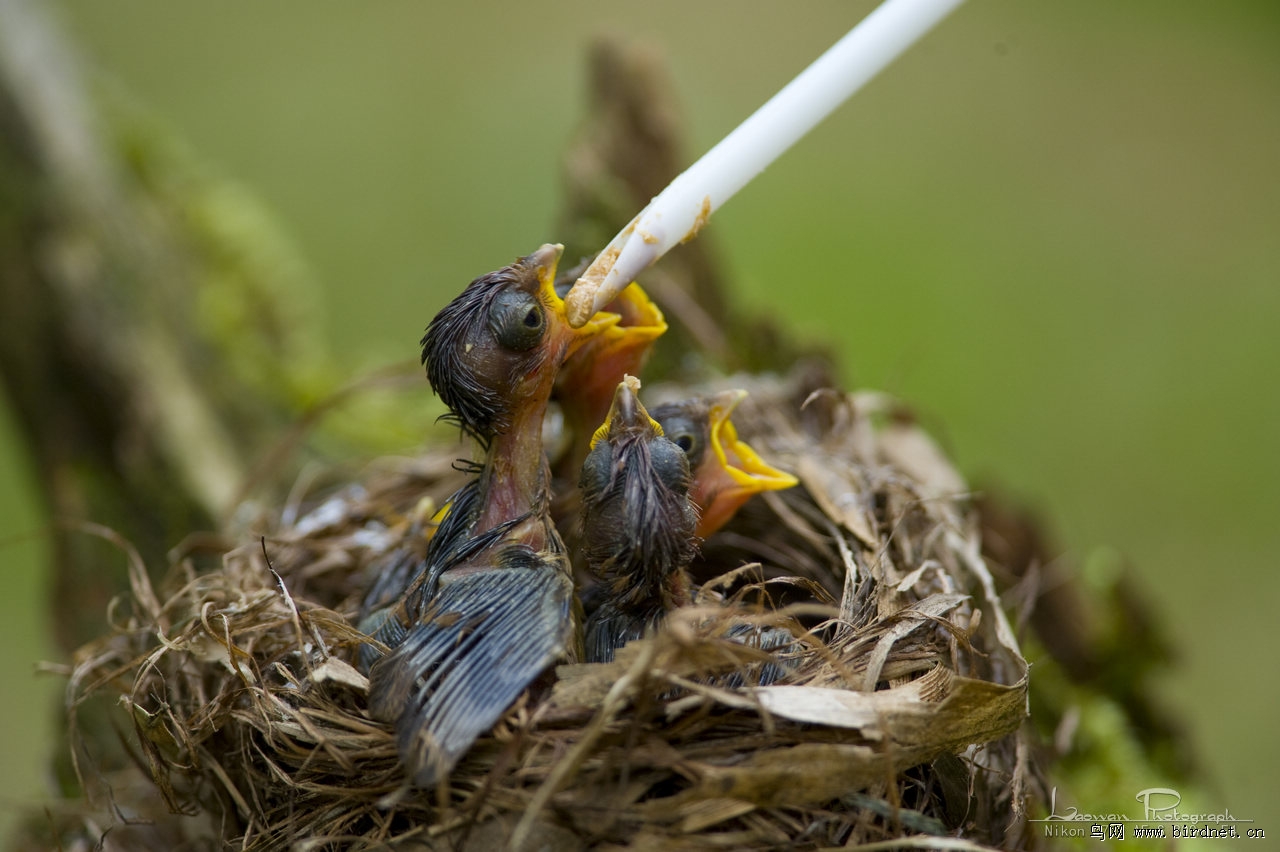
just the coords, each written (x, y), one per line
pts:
(741, 464)
(623, 348)
(544, 262)
(738, 472)
(588, 379)
(640, 323)
(626, 413)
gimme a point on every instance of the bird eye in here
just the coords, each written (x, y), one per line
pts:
(517, 320)
(687, 431)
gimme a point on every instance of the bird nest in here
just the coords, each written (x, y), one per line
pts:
(898, 717)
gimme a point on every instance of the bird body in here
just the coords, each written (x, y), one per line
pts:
(637, 525)
(483, 633)
(492, 605)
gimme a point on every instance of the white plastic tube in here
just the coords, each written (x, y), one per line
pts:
(680, 210)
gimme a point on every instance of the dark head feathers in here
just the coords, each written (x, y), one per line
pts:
(472, 405)
(478, 345)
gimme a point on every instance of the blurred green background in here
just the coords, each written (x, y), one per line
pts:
(1052, 228)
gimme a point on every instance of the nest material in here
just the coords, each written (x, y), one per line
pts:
(898, 718)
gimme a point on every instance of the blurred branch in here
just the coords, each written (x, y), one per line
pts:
(125, 406)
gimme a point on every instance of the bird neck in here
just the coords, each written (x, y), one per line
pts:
(718, 507)
(515, 478)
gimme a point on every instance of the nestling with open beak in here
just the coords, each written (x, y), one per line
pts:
(726, 471)
(638, 537)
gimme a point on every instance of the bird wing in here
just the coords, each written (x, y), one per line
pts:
(609, 628)
(480, 643)
(766, 639)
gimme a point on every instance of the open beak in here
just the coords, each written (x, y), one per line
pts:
(626, 414)
(628, 327)
(622, 348)
(588, 380)
(640, 322)
(544, 261)
(737, 473)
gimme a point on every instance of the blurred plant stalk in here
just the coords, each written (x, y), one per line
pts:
(149, 338)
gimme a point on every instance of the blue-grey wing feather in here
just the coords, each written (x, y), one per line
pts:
(482, 641)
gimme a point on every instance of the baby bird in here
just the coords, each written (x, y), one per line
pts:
(637, 524)
(492, 607)
(638, 536)
(726, 471)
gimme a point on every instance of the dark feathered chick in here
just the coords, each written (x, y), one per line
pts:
(638, 537)
(726, 471)
(492, 607)
(637, 524)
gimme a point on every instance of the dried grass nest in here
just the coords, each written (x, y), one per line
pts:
(900, 720)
